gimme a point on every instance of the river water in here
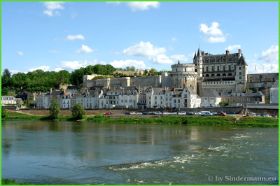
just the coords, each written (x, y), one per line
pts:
(87, 153)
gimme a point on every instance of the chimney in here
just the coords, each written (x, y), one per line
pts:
(227, 52)
(239, 52)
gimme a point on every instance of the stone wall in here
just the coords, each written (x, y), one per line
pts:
(147, 81)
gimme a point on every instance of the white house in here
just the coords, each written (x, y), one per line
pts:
(8, 100)
(128, 101)
(43, 101)
(175, 98)
(65, 102)
(87, 101)
(155, 97)
(185, 98)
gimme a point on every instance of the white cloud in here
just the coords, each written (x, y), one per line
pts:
(181, 57)
(130, 62)
(58, 69)
(74, 64)
(52, 8)
(213, 33)
(75, 37)
(20, 53)
(141, 6)
(44, 68)
(14, 71)
(266, 62)
(85, 49)
(262, 68)
(233, 47)
(148, 50)
(270, 55)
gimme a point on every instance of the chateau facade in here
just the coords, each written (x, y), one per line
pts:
(225, 73)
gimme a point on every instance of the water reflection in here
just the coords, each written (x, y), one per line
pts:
(70, 152)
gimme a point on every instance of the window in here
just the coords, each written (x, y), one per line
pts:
(218, 68)
(240, 73)
(212, 68)
(239, 68)
(207, 69)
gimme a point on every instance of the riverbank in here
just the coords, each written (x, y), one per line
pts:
(9, 182)
(173, 120)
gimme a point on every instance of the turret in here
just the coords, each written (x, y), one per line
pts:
(198, 61)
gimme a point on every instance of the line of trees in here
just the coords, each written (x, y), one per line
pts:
(40, 80)
(78, 111)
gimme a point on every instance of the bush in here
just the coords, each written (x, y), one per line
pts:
(78, 112)
(54, 109)
(223, 104)
(4, 113)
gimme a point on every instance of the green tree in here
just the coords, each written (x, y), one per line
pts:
(54, 109)
(3, 113)
(78, 112)
(76, 77)
(152, 72)
(6, 79)
(63, 77)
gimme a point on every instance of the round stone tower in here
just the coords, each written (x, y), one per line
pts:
(184, 76)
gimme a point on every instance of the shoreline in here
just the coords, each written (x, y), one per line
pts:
(171, 120)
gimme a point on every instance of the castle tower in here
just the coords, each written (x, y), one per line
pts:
(184, 76)
(198, 61)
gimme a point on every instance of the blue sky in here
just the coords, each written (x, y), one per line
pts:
(55, 36)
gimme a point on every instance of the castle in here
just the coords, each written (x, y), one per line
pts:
(210, 81)
(223, 73)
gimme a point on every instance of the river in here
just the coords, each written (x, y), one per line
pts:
(87, 153)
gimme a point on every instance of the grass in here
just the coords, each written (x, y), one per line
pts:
(9, 182)
(190, 120)
(173, 120)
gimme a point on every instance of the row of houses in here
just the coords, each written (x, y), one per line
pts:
(136, 98)
(129, 97)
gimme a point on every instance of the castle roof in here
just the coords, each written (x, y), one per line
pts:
(237, 58)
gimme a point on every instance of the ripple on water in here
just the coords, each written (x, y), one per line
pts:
(172, 163)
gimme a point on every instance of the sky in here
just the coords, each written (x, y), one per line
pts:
(54, 36)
